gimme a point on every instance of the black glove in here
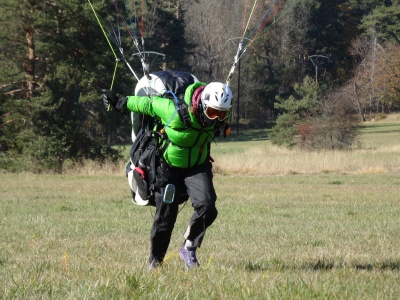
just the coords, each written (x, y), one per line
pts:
(109, 98)
(121, 105)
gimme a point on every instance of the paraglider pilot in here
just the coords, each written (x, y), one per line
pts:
(185, 159)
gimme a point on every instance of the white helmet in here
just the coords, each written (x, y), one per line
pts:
(217, 95)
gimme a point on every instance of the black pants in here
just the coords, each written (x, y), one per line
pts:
(196, 183)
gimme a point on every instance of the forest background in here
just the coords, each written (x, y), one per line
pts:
(315, 72)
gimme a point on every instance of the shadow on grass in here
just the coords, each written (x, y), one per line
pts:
(321, 265)
(380, 128)
(383, 266)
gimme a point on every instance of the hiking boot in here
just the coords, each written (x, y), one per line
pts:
(188, 255)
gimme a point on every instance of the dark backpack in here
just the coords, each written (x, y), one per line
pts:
(146, 155)
(149, 146)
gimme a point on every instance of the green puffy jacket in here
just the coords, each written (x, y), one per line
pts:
(188, 146)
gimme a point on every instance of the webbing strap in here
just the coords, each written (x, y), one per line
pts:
(183, 112)
(140, 171)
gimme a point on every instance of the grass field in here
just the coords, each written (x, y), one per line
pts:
(291, 225)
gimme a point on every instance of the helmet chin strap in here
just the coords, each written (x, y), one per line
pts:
(204, 120)
(208, 121)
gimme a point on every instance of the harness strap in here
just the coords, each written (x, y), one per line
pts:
(183, 112)
(140, 171)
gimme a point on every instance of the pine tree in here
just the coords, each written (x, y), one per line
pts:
(383, 23)
(297, 111)
(53, 108)
(313, 120)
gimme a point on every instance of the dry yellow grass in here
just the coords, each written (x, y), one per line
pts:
(378, 153)
(93, 168)
(270, 160)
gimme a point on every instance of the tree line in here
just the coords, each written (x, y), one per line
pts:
(317, 69)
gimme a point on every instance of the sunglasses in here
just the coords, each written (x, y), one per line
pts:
(213, 113)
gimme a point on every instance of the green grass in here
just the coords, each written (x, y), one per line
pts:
(288, 237)
(380, 134)
(323, 235)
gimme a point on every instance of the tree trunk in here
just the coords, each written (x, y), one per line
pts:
(28, 63)
(358, 103)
